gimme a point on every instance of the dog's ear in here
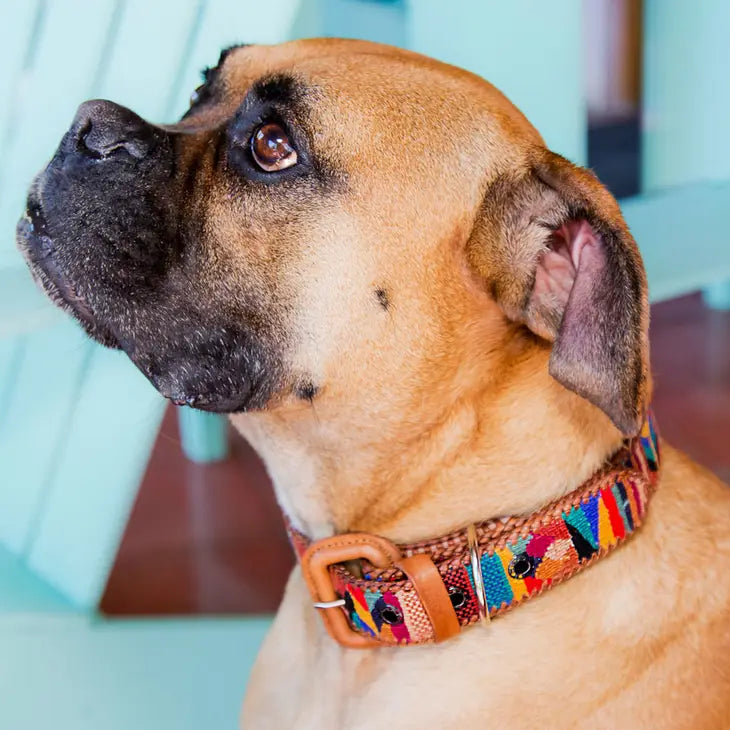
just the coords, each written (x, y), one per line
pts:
(557, 256)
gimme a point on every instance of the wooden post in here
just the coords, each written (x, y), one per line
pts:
(204, 436)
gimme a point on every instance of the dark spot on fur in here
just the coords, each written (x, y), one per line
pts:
(383, 298)
(306, 390)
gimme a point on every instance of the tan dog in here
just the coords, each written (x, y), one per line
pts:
(421, 318)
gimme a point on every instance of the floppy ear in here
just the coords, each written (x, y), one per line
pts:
(556, 255)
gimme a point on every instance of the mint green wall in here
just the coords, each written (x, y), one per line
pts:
(504, 42)
(686, 123)
(686, 117)
(383, 22)
(532, 51)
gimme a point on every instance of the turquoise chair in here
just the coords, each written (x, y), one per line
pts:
(77, 422)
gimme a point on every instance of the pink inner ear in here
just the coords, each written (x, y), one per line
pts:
(573, 246)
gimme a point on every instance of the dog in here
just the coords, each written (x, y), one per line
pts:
(422, 319)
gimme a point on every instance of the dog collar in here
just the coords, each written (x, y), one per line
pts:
(429, 591)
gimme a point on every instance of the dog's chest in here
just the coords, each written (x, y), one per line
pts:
(520, 667)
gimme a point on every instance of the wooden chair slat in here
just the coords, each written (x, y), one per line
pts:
(149, 48)
(10, 355)
(22, 591)
(40, 404)
(23, 307)
(19, 20)
(95, 477)
(223, 23)
(63, 72)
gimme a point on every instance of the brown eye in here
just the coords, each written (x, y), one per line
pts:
(271, 148)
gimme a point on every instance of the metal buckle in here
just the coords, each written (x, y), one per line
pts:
(316, 561)
(476, 571)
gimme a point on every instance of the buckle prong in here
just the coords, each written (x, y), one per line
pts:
(329, 604)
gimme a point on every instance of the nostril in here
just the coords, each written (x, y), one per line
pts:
(101, 129)
(99, 142)
(81, 136)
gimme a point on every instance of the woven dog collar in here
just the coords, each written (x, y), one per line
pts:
(428, 591)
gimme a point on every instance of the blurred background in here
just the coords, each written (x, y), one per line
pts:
(141, 550)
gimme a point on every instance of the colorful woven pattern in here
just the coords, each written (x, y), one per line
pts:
(519, 556)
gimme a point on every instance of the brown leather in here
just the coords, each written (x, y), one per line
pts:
(316, 561)
(430, 587)
(452, 549)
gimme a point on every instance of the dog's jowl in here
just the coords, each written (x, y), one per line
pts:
(434, 331)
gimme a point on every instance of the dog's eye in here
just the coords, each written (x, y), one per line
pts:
(271, 148)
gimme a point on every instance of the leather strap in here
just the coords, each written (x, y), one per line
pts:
(316, 561)
(432, 592)
(426, 591)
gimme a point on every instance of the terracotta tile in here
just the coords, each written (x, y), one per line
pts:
(245, 576)
(691, 362)
(200, 539)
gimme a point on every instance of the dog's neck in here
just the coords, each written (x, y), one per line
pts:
(508, 447)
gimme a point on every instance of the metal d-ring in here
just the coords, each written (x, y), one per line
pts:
(476, 571)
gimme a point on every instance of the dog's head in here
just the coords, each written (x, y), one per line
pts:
(330, 220)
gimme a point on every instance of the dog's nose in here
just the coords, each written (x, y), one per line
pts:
(102, 128)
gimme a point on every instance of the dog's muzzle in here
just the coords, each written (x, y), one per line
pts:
(105, 140)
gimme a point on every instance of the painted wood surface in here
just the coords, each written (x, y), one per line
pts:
(75, 673)
(23, 307)
(22, 591)
(204, 436)
(95, 477)
(38, 412)
(77, 422)
(681, 235)
(685, 121)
